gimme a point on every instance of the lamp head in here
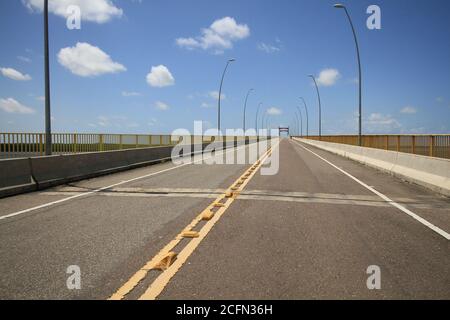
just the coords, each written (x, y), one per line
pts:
(339, 6)
(232, 60)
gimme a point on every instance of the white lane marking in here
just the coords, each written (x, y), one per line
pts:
(45, 205)
(387, 199)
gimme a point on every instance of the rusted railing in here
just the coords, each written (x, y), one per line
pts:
(434, 145)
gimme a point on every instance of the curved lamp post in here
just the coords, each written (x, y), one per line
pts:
(245, 106)
(299, 128)
(294, 128)
(301, 120)
(262, 120)
(220, 93)
(256, 120)
(307, 117)
(320, 106)
(341, 6)
(266, 121)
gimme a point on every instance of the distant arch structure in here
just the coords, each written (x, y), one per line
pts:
(283, 130)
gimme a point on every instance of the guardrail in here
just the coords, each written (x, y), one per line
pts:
(26, 174)
(434, 145)
(13, 145)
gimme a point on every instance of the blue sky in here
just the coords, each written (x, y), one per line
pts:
(276, 43)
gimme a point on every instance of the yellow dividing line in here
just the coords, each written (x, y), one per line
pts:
(169, 262)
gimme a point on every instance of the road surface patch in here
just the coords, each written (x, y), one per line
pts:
(211, 213)
(262, 195)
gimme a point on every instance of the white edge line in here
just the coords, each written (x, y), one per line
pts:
(113, 185)
(384, 197)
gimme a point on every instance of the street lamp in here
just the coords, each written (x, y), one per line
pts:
(220, 93)
(341, 6)
(48, 130)
(245, 106)
(262, 120)
(294, 127)
(256, 120)
(267, 122)
(320, 106)
(307, 117)
(299, 125)
(301, 121)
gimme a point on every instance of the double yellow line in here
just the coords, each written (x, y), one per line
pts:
(168, 261)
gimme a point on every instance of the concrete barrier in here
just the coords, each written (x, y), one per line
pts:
(54, 170)
(15, 172)
(429, 172)
(15, 177)
(139, 156)
(29, 174)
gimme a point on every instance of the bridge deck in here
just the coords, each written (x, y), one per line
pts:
(309, 231)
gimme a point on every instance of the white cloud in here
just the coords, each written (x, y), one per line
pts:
(206, 105)
(11, 105)
(439, 99)
(40, 98)
(130, 94)
(132, 125)
(160, 77)
(408, 110)
(419, 130)
(99, 11)
(161, 106)
(218, 37)
(114, 121)
(24, 59)
(153, 122)
(380, 123)
(268, 48)
(103, 121)
(354, 81)
(215, 95)
(274, 111)
(86, 60)
(328, 77)
(14, 74)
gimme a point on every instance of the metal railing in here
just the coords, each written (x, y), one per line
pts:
(13, 145)
(434, 145)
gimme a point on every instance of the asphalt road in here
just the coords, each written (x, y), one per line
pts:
(307, 232)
